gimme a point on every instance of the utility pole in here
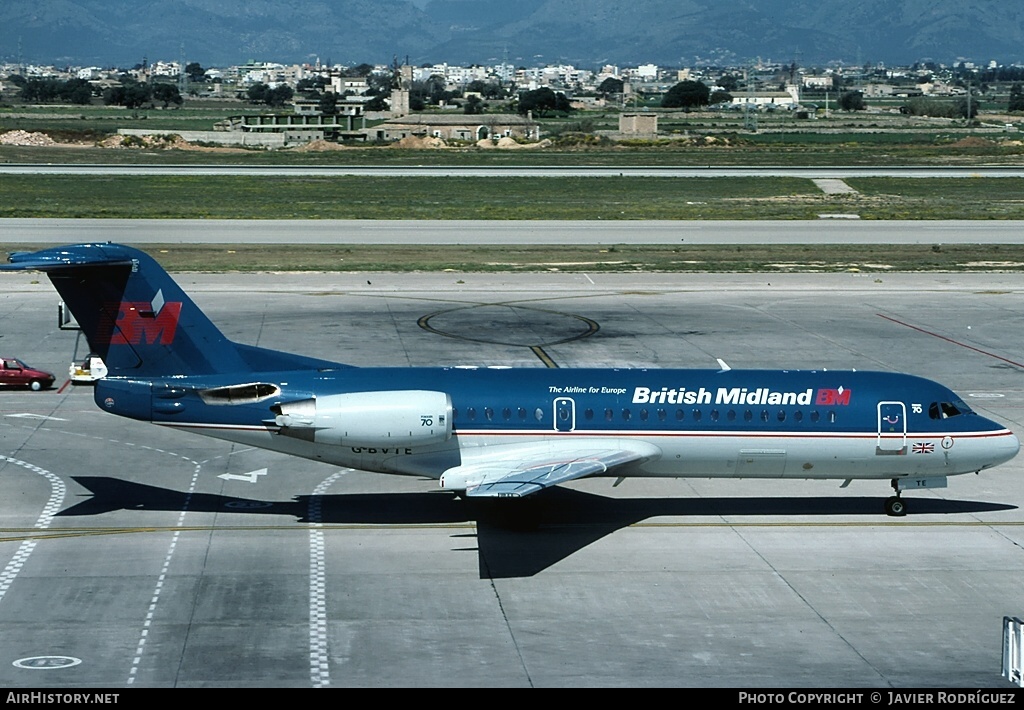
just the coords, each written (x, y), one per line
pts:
(968, 102)
(182, 76)
(749, 119)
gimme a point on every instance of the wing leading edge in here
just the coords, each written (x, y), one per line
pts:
(533, 471)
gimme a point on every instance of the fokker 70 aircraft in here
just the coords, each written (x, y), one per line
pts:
(506, 433)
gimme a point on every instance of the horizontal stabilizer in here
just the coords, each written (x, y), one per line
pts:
(68, 257)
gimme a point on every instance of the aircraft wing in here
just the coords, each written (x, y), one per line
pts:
(523, 472)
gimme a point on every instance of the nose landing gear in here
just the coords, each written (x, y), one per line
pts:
(894, 505)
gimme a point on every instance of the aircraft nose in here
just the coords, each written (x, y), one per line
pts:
(1005, 447)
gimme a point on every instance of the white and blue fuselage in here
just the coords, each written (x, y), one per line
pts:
(691, 423)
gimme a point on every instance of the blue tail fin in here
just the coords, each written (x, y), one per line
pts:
(138, 319)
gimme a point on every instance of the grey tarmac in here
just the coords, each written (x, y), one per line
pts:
(141, 232)
(159, 559)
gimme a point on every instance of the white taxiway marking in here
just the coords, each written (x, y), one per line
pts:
(251, 477)
(27, 415)
(57, 491)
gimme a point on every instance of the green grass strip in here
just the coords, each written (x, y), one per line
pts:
(503, 198)
(871, 258)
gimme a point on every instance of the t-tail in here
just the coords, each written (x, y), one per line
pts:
(138, 319)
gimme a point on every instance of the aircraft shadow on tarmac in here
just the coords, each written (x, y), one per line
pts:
(514, 538)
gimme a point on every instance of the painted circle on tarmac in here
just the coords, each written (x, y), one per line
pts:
(46, 663)
(509, 324)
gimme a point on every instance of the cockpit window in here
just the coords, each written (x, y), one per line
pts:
(945, 410)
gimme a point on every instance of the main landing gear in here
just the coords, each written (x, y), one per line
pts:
(894, 505)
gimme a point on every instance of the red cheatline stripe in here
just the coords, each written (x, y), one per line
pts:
(950, 340)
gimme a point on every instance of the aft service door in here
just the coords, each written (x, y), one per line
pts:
(565, 414)
(892, 428)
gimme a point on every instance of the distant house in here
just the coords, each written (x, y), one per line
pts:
(456, 127)
(788, 98)
(303, 126)
(638, 125)
(817, 81)
(342, 85)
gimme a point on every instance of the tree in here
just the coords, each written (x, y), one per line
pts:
(130, 95)
(77, 91)
(543, 101)
(1016, 98)
(489, 90)
(377, 103)
(195, 72)
(328, 105)
(729, 82)
(963, 106)
(687, 94)
(280, 95)
(260, 93)
(433, 91)
(609, 86)
(852, 101)
(40, 90)
(720, 97)
(474, 105)
(312, 87)
(167, 93)
(257, 93)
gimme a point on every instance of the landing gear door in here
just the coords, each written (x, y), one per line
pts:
(892, 428)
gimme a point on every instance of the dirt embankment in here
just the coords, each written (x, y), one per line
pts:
(24, 138)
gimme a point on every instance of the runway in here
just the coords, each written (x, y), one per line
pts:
(541, 171)
(137, 556)
(474, 232)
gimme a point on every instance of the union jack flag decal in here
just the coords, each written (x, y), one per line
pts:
(923, 448)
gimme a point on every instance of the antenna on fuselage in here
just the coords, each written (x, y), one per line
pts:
(723, 364)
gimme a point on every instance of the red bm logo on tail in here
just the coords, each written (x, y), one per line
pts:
(141, 323)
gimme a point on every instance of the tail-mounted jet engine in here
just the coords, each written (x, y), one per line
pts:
(374, 419)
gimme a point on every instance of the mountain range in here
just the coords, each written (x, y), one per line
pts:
(586, 33)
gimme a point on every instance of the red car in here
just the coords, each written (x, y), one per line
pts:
(15, 373)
